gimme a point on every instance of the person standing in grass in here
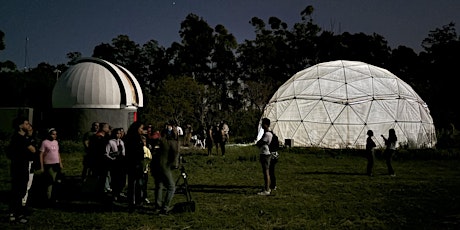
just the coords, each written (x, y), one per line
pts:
(50, 161)
(134, 160)
(209, 142)
(390, 144)
(115, 154)
(370, 145)
(88, 158)
(34, 160)
(265, 155)
(18, 152)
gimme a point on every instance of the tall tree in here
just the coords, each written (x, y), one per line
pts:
(193, 57)
(224, 66)
(439, 61)
(153, 65)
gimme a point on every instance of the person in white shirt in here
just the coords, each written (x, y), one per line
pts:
(265, 155)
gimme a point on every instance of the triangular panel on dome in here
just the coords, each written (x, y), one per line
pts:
(311, 89)
(305, 107)
(424, 115)
(328, 72)
(332, 89)
(286, 128)
(331, 74)
(408, 111)
(333, 110)
(332, 139)
(356, 73)
(318, 114)
(285, 92)
(271, 110)
(348, 117)
(385, 87)
(362, 109)
(306, 87)
(378, 72)
(407, 91)
(299, 135)
(309, 73)
(382, 111)
(348, 136)
(290, 112)
(316, 132)
(360, 90)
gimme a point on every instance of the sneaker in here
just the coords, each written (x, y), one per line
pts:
(393, 175)
(12, 217)
(147, 201)
(274, 189)
(165, 211)
(264, 193)
(22, 219)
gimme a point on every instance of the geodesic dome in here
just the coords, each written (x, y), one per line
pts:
(333, 104)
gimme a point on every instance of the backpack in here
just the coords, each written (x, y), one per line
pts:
(274, 144)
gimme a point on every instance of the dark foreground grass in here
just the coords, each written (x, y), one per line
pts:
(316, 190)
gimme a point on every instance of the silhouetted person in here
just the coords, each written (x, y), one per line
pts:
(370, 145)
(390, 144)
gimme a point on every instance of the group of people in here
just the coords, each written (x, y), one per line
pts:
(390, 149)
(29, 154)
(117, 161)
(269, 158)
(217, 135)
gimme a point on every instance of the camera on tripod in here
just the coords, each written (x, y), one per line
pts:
(183, 188)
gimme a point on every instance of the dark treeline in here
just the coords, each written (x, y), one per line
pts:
(208, 76)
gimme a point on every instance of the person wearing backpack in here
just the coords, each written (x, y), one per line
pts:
(265, 155)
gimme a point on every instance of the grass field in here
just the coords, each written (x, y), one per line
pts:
(317, 189)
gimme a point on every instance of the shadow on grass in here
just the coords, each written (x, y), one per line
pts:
(233, 189)
(334, 173)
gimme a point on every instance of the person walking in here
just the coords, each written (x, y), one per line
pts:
(51, 164)
(265, 155)
(162, 162)
(370, 145)
(390, 149)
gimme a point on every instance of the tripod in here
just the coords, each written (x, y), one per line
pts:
(189, 205)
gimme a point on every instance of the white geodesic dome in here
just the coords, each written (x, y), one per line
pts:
(333, 104)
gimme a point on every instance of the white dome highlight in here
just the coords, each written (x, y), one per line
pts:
(333, 104)
(96, 83)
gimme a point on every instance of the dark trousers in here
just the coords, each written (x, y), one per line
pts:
(135, 183)
(271, 171)
(222, 147)
(370, 162)
(19, 179)
(388, 155)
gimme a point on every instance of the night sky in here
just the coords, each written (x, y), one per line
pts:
(57, 27)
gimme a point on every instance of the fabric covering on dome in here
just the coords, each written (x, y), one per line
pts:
(333, 104)
(96, 83)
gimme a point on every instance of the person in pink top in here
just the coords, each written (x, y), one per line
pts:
(50, 161)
